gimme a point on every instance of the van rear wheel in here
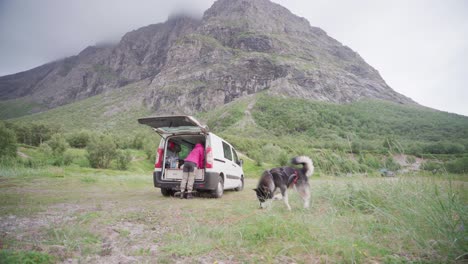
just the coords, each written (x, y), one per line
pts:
(218, 192)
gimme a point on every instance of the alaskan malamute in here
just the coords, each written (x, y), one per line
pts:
(284, 177)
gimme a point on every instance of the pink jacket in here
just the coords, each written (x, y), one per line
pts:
(197, 156)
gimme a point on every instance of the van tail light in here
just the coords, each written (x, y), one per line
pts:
(209, 158)
(159, 157)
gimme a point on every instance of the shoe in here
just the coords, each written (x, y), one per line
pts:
(189, 196)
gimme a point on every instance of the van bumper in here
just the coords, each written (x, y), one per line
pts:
(209, 184)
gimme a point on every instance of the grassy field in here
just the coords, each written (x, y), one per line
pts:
(82, 215)
(53, 214)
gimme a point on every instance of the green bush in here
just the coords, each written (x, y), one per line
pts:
(370, 161)
(34, 134)
(68, 158)
(458, 165)
(7, 141)
(78, 139)
(46, 150)
(123, 141)
(138, 141)
(443, 147)
(283, 158)
(391, 164)
(432, 166)
(123, 157)
(150, 152)
(58, 144)
(41, 133)
(23, 133)
(257, 156)
(101, 150)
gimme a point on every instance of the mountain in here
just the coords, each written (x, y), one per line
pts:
(187, 65)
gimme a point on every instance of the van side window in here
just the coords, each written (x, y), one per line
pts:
(236, 159)
(227, 151)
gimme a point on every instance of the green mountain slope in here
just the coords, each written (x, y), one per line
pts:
(359, 137)
(116, 112)
(364, 125)
(284, 125)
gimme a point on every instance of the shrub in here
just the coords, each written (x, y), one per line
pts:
(444, 148)
(257, 156)
(123, 159)
(431, 166)
(122, 141)
(283, 158)
(78, 139)
(150, 152)
(101, 150)
(68, 158)
(415, 148)
(138, 141)
(271, 153)
(23, 133)
(391, 164)
(41, 133)
(458, 166)
(370, 161)
(7, 141)
(58, 144)
(46, 150)
(392, 144)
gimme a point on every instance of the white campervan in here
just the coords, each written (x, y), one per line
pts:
(222, 170)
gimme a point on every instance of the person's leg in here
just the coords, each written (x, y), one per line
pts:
(190, 182)
(183, 182)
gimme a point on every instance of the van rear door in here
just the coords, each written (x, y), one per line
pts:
(173, 125)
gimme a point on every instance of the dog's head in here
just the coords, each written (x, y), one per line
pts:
(263, 194)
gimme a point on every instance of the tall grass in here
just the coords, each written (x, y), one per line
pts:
(403, 220)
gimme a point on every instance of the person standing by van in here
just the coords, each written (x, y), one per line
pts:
(194, 160)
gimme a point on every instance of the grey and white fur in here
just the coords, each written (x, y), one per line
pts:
(282, 178)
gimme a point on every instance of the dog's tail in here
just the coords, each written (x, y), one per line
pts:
(307, 165)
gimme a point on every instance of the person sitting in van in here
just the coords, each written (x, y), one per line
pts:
(172, 155)
(194, 160)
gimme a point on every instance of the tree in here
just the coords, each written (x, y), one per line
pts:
(78, 139)
(124, 157)
(7, 141)
(58, 144)
(101, 150)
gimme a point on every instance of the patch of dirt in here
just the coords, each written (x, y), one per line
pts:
(402, 159)
(133, 238)
(22, 155)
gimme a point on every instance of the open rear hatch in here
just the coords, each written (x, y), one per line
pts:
(172, 125)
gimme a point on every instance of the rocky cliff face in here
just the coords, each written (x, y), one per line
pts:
(239, 47)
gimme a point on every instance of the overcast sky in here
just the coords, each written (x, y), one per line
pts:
(420, 47)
